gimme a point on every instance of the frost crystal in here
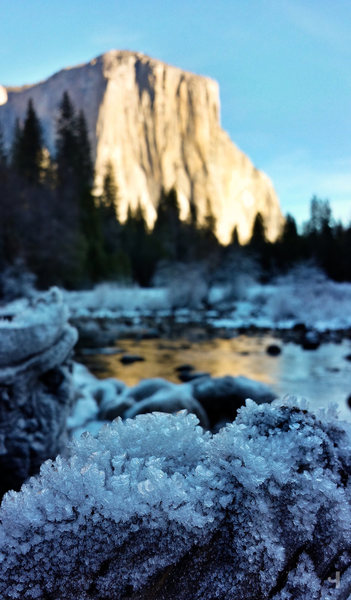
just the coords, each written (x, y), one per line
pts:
(155, 507)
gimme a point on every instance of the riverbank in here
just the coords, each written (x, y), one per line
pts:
(303, 307)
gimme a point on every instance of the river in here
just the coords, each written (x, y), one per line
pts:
(321, 376)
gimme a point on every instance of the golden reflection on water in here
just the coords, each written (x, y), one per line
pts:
(238, 356)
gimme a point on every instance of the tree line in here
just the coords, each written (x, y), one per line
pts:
(53, 225)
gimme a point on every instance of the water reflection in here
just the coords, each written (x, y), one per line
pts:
(322, 375)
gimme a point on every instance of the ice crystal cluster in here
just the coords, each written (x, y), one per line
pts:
(156, 508)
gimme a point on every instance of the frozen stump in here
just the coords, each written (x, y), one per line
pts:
(156, 508)
(35, 390)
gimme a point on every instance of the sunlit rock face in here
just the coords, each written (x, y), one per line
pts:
(3, 95)
(159, 126)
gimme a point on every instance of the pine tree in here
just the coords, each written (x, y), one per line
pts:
(28, 147)
(258, 237)
(260, 249)
(84, 164)
(3, 154)
(66, 142)
(16, 143)
(192, 215)
(75, 175)
(207, 243)
(320, 216)
(234, 242)
(141, 246)
(117, 262)
(73, 151)
(168, 227)
(109, 198)
(209, 221)
(288, 245)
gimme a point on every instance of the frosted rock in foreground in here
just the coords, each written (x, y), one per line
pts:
(35, 394)
(157, 508)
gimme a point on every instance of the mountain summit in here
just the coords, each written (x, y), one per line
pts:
(158, 126)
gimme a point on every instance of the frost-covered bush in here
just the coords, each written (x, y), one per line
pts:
(308, 296)
(188, 285)
(106, 299)
(157, 508)
(236, 273)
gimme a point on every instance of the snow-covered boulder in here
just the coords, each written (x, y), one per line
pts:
(155, 507)
(148, 387)
(29, 327)
(113, 407)
(96, 400)
(170, 400)
(35, 390)
(214, 400)
(222, 396)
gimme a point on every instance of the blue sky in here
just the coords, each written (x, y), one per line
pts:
(283, 67)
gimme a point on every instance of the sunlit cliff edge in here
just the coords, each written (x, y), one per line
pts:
(158, 126)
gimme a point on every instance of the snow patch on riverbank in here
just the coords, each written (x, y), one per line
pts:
(305, 296)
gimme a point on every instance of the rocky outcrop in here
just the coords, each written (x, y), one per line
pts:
(35, 390)
(3, 95)
(158, 126)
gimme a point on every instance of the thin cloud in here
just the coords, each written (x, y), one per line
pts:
(318, 21)
(116, 39)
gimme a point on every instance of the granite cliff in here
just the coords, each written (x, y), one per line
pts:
(158, 126)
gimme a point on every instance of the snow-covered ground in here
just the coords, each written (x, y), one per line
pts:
(305, 296)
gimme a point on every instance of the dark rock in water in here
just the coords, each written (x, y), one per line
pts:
(196, 334)
(106, 351)
(299, 327)
(349, 401)
(96, 333)
(273, 350)
(222, 396)
(187, 373)
(148, 334)
(186, 376)
(114, 407)
(129, 359)
(106, 389)
(35, 386)
(185, 367)
(170, 401)
(227, 333)
(147, 388)
(311, 340)
(348, 357)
